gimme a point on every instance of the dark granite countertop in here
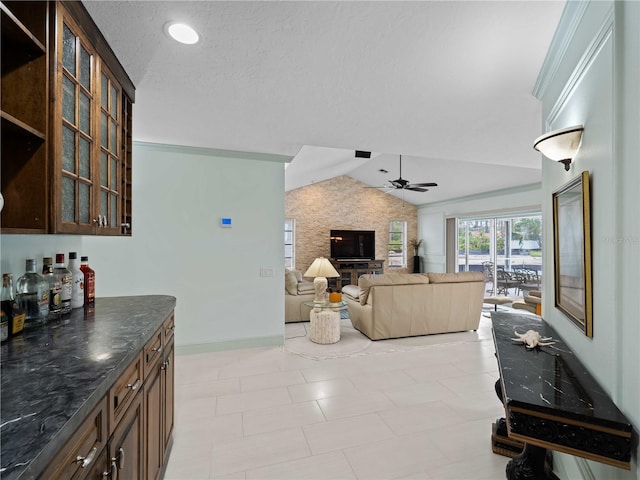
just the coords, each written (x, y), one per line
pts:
(54, 375)
(550, 379)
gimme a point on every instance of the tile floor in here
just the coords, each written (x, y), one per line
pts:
(265, 413)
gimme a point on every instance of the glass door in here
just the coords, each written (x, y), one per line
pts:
(507, 249)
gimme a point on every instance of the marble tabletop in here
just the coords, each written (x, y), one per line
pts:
(551, 378)
(53, 376)
(548, 392)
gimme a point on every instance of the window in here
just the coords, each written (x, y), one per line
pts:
(289, 243)
(397, 244)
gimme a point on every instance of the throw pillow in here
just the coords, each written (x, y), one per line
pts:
(290, 282)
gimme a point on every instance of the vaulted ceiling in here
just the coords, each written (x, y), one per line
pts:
(447, 84)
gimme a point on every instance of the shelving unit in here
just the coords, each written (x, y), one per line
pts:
(24, 92)
(351, 270)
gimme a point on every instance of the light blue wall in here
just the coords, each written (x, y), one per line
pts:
(590, 77)
(178, 247)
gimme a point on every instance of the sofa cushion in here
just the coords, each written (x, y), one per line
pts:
(352, 291)
(365, 282)
(290, 282)
(456, 277)
(305, 288)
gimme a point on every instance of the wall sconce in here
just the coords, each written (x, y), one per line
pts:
(560, 145)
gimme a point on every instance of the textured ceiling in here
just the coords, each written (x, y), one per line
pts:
(446, 84)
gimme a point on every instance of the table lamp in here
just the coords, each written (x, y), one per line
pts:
(320, 269)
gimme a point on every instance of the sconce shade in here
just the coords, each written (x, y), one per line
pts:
(560, 145)
(321, 267)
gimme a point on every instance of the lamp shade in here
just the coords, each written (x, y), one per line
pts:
(321, 267)
(560, 144)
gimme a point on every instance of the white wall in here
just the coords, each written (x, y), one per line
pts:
(179, 249)
(597, 51)
(432, 217)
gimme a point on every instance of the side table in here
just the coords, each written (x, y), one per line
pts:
(325, 321)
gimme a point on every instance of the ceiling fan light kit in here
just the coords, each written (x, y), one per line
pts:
(560, 145)
(402, 184)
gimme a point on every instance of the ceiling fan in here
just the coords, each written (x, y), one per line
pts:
(402, 184)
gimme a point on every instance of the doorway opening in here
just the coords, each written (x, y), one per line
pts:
(507, 249)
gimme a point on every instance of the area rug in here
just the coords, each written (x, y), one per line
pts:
(351, 342)
(354, 343)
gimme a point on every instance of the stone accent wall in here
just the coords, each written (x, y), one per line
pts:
(344, 203)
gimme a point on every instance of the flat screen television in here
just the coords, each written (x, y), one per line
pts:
(353, 244)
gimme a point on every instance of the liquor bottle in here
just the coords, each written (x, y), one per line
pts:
(32, 294)
(77, 281)
(89, 281)
(64, 276)
(4, 327)
(15, 315)
(55, 288)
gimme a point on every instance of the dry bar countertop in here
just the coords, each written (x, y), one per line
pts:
(53, 376)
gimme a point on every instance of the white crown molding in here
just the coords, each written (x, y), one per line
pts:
(481, 196)
(588, 57)
(567, 27)
(214, 152)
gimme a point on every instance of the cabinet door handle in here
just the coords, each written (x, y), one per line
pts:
(88, 459)
(113, 472)
(120, 458)
(166, 364)
(134, 386)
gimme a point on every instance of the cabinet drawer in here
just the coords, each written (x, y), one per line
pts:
(84, 449)
(124, 390)
(169, 328)
(152, 352)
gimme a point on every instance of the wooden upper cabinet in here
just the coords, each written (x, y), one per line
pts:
(67, 155)
(23, 109)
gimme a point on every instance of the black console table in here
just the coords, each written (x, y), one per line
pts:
(552, 402)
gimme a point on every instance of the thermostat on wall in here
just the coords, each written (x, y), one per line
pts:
(225, 222)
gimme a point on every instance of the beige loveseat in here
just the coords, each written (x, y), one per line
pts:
(296, 292)
(394, 305)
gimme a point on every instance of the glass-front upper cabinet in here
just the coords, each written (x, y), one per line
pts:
(88, 153)
(66, 108)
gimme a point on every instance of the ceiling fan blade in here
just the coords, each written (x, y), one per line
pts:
(428, 184)
(417, 189)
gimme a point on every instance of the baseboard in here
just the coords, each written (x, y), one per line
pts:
(274, 341)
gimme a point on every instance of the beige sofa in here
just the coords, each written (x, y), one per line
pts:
(296, 292)
(397, 305)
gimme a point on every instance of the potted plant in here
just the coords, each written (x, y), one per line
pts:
(416, 258)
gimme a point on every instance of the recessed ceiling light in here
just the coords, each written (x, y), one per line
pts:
(182, 33)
